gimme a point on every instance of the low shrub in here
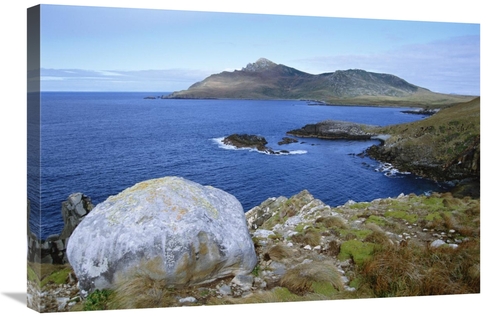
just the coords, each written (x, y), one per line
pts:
(97, 300)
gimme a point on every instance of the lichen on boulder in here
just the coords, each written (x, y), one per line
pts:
(170, 229)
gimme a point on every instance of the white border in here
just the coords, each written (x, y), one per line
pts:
(13, 134)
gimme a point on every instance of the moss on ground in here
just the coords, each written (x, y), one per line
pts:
(358, 251)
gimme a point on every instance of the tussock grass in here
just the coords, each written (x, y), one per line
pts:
(142, 287)
(304, 278)
(377, 235)
(279, 251)
(310, 236)
(142, 292)
(332, 222)
(419, 270)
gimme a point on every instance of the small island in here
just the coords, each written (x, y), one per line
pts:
(333, 130)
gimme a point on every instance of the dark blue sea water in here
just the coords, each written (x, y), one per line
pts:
(101, 143)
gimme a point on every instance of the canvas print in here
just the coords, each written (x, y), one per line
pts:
(188, 158)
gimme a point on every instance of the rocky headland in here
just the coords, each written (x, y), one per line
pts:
(334, 130)
(444, 147)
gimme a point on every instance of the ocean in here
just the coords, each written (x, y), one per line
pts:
(102, 143)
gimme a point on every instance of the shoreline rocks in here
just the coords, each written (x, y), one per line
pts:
(52, 250)
(251, 141)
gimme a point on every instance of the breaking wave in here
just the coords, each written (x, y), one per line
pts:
(390, 171)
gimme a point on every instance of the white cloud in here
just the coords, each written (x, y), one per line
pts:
(116, 80)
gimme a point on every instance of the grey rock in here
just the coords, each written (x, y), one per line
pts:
(437, 243)
(168, 228)
(262, 233)
(224, 290)
(245, 282)
(189, 299)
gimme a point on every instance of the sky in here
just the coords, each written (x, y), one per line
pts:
(86, 48)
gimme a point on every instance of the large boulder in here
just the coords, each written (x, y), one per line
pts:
(170, 229)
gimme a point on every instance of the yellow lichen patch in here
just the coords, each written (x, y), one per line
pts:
(181, 213)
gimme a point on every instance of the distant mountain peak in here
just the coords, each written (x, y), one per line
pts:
(260, 65)
(265, 79)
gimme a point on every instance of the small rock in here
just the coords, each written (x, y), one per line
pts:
(189, 299)
(437, 243)
(61, 303)
(262, 233)
(307, 247)
(224, 290)
(245, 282)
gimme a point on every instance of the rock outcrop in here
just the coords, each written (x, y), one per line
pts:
(250, 141)
(246, 141)
(170, 229)
(52, 250)
(334, 129)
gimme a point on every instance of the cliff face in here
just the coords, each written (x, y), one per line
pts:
(265, 79)
(444, 147)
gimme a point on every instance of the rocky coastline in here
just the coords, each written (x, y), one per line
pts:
(444, 147)
(301, 248)
(298, 239)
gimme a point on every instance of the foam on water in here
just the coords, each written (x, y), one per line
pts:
(389, 170)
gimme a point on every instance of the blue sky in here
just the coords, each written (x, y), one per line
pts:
(119, 49)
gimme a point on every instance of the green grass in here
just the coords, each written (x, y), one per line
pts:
(401, 214)
(358, 251)
(378, 220)
(57, 277)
